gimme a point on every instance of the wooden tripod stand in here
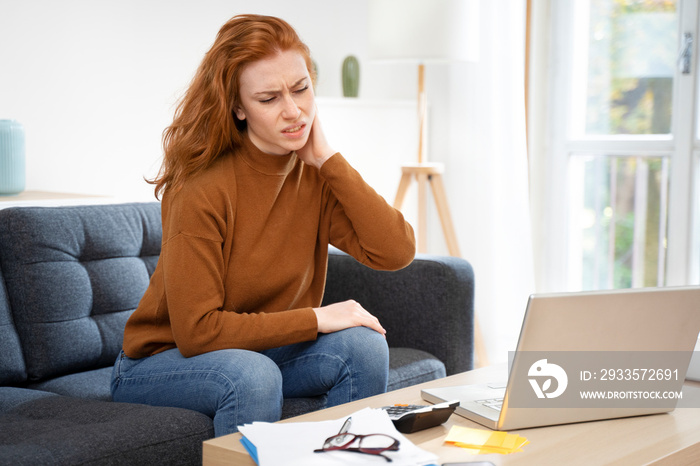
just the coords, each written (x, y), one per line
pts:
(431, 174)
(428, 174)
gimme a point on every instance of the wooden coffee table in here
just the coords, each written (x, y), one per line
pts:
(664, 439)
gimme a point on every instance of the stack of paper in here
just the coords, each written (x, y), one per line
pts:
(480, 441)
(293, 443)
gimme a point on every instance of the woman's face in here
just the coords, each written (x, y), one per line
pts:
(277, 102)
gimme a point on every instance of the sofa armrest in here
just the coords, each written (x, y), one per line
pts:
(429, 305)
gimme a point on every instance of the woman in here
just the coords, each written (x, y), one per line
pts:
(252, 194)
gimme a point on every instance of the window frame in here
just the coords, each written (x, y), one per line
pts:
(551, 152)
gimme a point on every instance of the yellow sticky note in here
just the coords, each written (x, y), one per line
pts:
(485, 441)
(460, 434)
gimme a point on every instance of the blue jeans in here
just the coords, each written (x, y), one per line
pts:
(235, 386)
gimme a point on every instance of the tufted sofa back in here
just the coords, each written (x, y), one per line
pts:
(72, 277)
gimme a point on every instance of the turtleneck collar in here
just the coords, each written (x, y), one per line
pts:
(266, 163)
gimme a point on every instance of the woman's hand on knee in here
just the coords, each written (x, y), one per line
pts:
(339, 316)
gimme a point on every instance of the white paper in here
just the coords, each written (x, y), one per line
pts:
(293, 444)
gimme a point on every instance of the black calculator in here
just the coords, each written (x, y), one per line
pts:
(412, 418)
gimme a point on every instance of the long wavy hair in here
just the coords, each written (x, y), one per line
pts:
(205, 125)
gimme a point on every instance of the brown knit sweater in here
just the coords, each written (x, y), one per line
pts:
(245, 249)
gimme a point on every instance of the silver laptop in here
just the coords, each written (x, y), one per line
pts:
(588, 356)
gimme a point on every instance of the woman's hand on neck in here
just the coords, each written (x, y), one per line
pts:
(317, 150)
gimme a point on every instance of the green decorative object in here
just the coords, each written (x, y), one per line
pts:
(351, 76)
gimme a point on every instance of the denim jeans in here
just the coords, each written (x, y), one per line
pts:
(236, 386)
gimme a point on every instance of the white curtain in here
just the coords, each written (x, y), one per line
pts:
(487, 174)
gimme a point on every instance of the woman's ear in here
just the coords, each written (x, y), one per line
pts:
(238, 111)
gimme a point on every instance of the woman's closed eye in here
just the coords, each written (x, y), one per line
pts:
(272, 98)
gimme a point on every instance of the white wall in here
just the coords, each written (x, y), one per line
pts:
(96, 82)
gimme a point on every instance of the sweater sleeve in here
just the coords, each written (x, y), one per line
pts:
(362, 223)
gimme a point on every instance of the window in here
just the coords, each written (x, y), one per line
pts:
(624, 146)
(619, 206)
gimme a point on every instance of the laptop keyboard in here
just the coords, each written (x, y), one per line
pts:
(494, 403)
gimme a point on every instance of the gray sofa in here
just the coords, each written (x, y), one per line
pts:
(71, 276)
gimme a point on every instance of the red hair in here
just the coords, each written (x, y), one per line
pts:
(205, 125)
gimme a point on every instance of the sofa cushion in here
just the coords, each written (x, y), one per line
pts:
(65, 431)
(73, 276)
(298, 406)
(12, 368)
(409, 366)
(94, 384)
(11, 397)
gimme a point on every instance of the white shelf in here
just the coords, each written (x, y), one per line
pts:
(50, 199)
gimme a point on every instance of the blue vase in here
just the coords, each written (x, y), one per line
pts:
(12, 157)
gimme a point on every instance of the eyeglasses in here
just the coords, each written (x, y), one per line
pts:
(371, 444)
